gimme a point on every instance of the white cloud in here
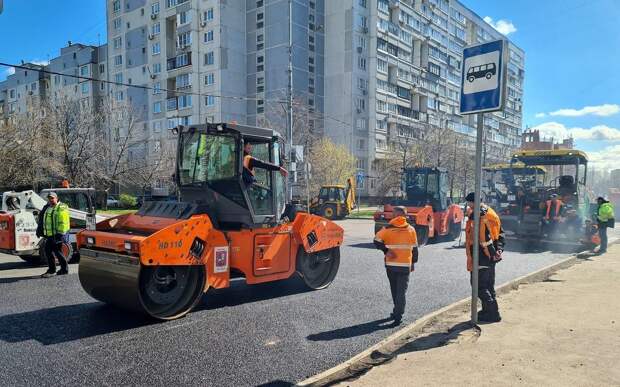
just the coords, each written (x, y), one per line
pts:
(596, 133)
(605, 159)
(40, 62)
(600, 110)
(540, 115)
(8, 71)
(503, 26)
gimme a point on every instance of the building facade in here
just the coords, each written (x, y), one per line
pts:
(531, 140)
(393, 70)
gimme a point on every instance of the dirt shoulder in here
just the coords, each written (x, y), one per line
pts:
(563, 331)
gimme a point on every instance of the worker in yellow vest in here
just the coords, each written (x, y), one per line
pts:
(490, 243)
(605, 219)
(54, 225)
(399, 243)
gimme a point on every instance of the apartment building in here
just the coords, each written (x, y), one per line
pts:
(25, 91)
(393, 71)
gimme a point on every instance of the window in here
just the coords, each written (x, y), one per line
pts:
(118, 78)
(156, 29)
(155, 8)
(361, 63)
(209, 79)
(362, 3)
(120, 96)
(157, 107)
(118, 60)
(361, 124)
(183, 81)
(260, 59)
(56, 79)
(260, 37)
(156, 68)
(209, 36)
(185, 101)
(434, 69)
(117, 42)
(259, 16)
(260, 24)
(156, 49)
(208, 15)
(184, 39)
(260, 68)
(185, 120)
(101, 68)
(117, 24)
(116, 6)
(361, 144)
(157, 124)
(382, 65)
(209, 58)
(259, 3)
(184, 18)
(210, 100)
(84, 71)
(156, 87)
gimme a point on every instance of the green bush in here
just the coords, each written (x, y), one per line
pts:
(127, 201)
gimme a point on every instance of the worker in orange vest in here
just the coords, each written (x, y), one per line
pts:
(250, 162)
(399, 243)
(554, 209)
(490, 243)
(64, 183)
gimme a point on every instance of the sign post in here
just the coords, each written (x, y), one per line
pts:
(483, 84)
(359, 179)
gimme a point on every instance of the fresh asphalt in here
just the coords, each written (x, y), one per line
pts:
(52, 332)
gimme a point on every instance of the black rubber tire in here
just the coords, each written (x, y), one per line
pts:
(471, 78)
(422, 233)
(169, 292)
(454, 232)
(319, 269)
(328, 211)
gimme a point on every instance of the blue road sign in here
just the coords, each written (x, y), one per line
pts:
(359, 177)
(483, 78)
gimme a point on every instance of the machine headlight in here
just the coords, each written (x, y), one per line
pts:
(90, 241)
(128, 246)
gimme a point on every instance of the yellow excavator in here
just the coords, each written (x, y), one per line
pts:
(334, 201)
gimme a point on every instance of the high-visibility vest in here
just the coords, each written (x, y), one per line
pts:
(56, 220)
(489, 224)
(399, 238)
(246, 164)
(605, 212)
(558, 206)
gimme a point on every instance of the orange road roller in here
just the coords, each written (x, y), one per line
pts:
(231, 221)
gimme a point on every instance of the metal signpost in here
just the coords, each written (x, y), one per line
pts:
(483, 84)
(359, 179)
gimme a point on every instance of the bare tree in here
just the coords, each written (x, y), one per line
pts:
(158, 167)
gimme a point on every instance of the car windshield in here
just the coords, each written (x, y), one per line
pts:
(205, 157)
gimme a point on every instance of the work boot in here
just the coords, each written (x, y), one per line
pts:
(62, 272)
(492, 314)
(48, 274)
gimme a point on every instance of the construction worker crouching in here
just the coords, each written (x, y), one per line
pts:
(490, 243)
(399, 243)
(554, 211)
(54, 226)
(605, 219)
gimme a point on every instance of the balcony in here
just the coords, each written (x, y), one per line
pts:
(179, 61)
(171, 104)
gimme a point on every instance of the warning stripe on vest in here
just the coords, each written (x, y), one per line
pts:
(397, 264)
(486, 244)
(400, 247)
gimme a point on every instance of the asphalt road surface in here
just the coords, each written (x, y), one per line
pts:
(52, 332)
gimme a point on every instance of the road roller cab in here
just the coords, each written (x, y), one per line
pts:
(161, 259)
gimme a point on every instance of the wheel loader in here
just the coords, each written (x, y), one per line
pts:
(18, 221)
(160, 260)
(334, 201)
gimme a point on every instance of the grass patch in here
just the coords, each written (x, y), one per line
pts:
(115, 212)
(362, 214)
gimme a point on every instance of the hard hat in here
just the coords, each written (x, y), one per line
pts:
(400, 209)
(52, 195)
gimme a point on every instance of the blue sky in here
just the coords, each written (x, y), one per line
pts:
(572, 48)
